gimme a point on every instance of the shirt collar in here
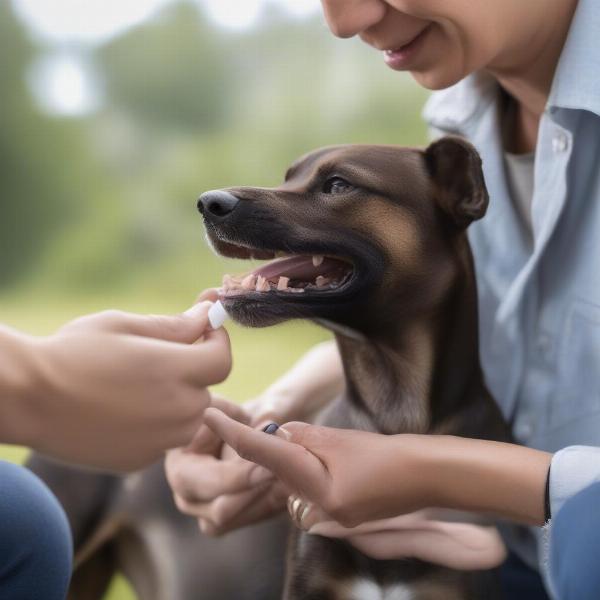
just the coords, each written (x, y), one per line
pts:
(576, 83)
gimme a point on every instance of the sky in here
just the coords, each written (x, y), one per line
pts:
(63, 84)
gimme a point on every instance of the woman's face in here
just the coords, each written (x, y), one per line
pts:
(439, 41)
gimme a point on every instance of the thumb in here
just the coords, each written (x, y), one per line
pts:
(292, 463)
(184, 328)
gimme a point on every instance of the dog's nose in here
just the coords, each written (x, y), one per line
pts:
(217, 203)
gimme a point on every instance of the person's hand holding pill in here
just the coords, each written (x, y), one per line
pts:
(112, 390)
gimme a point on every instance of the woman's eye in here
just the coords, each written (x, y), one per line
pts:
(336, 185)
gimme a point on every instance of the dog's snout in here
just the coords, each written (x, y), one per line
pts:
(217, 203)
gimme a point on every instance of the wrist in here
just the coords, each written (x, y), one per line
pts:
(506, 480)
(17, 387)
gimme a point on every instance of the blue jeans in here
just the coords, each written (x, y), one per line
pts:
(575, 547)
(35, 539)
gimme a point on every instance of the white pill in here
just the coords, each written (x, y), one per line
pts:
(217, 315)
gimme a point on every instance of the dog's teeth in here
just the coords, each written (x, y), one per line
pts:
(296, 290)
(317, 260)
(249, 282)
(322, 281)
(282, 283)
(262, 285)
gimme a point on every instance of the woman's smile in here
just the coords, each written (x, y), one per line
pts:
(402, 57)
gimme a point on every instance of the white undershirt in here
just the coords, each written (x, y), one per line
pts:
(519, 173)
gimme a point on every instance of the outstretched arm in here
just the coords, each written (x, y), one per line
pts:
(355, 476)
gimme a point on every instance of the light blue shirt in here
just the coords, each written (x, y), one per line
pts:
(540, 305)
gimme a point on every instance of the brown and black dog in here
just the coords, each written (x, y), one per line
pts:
(370, 241)
(375, 249)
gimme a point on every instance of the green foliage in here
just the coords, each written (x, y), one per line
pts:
(170, 73)
(108, 202)
(36, 197)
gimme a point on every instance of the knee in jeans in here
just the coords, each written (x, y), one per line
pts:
(32, 522)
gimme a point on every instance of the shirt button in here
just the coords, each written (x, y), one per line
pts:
(560, 143)
(523, 430)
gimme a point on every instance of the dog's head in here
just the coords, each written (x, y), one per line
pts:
(357, 235)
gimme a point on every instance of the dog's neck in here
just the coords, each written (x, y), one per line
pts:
(420, 374)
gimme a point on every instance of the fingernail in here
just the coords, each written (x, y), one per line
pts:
(259, 475)
(284, 433)
(271, 428)
(195, 310)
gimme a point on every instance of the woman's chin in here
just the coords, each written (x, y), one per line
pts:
(438, 77)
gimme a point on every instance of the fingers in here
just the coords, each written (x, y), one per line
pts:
(304, 513)
(206, 441)
(232, 512)
(325, 526)
(292, 463)
(210, 294)
(200, 478)
(184, 328)
(455, 545)
(212, 357)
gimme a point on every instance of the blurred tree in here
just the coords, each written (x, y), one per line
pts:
(170, 72)
(40, 159)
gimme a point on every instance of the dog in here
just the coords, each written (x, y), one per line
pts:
(370, 242)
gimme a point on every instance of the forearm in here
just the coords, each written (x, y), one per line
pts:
(16, 386)
(502, 479)
(315, 380)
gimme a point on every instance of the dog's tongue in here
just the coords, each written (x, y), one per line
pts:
(300, 267)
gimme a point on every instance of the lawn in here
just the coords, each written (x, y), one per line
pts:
(260, 355)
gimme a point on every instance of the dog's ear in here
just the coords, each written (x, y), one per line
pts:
(455, 168)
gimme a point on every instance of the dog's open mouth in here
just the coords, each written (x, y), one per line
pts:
(288, 274)
(320, 279)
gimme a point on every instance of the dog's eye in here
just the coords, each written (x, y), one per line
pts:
(336, 185)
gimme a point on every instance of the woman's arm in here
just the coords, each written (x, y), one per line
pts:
(354, 476)
(314, 381)
(503, 479)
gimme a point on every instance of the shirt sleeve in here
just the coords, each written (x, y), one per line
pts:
(572, 470)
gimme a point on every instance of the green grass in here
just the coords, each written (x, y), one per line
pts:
(260, 355)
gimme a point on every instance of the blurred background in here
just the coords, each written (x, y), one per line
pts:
(115, 116)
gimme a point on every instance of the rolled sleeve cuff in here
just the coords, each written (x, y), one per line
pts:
(572, 470)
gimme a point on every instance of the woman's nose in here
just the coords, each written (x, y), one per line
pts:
(347, 18)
